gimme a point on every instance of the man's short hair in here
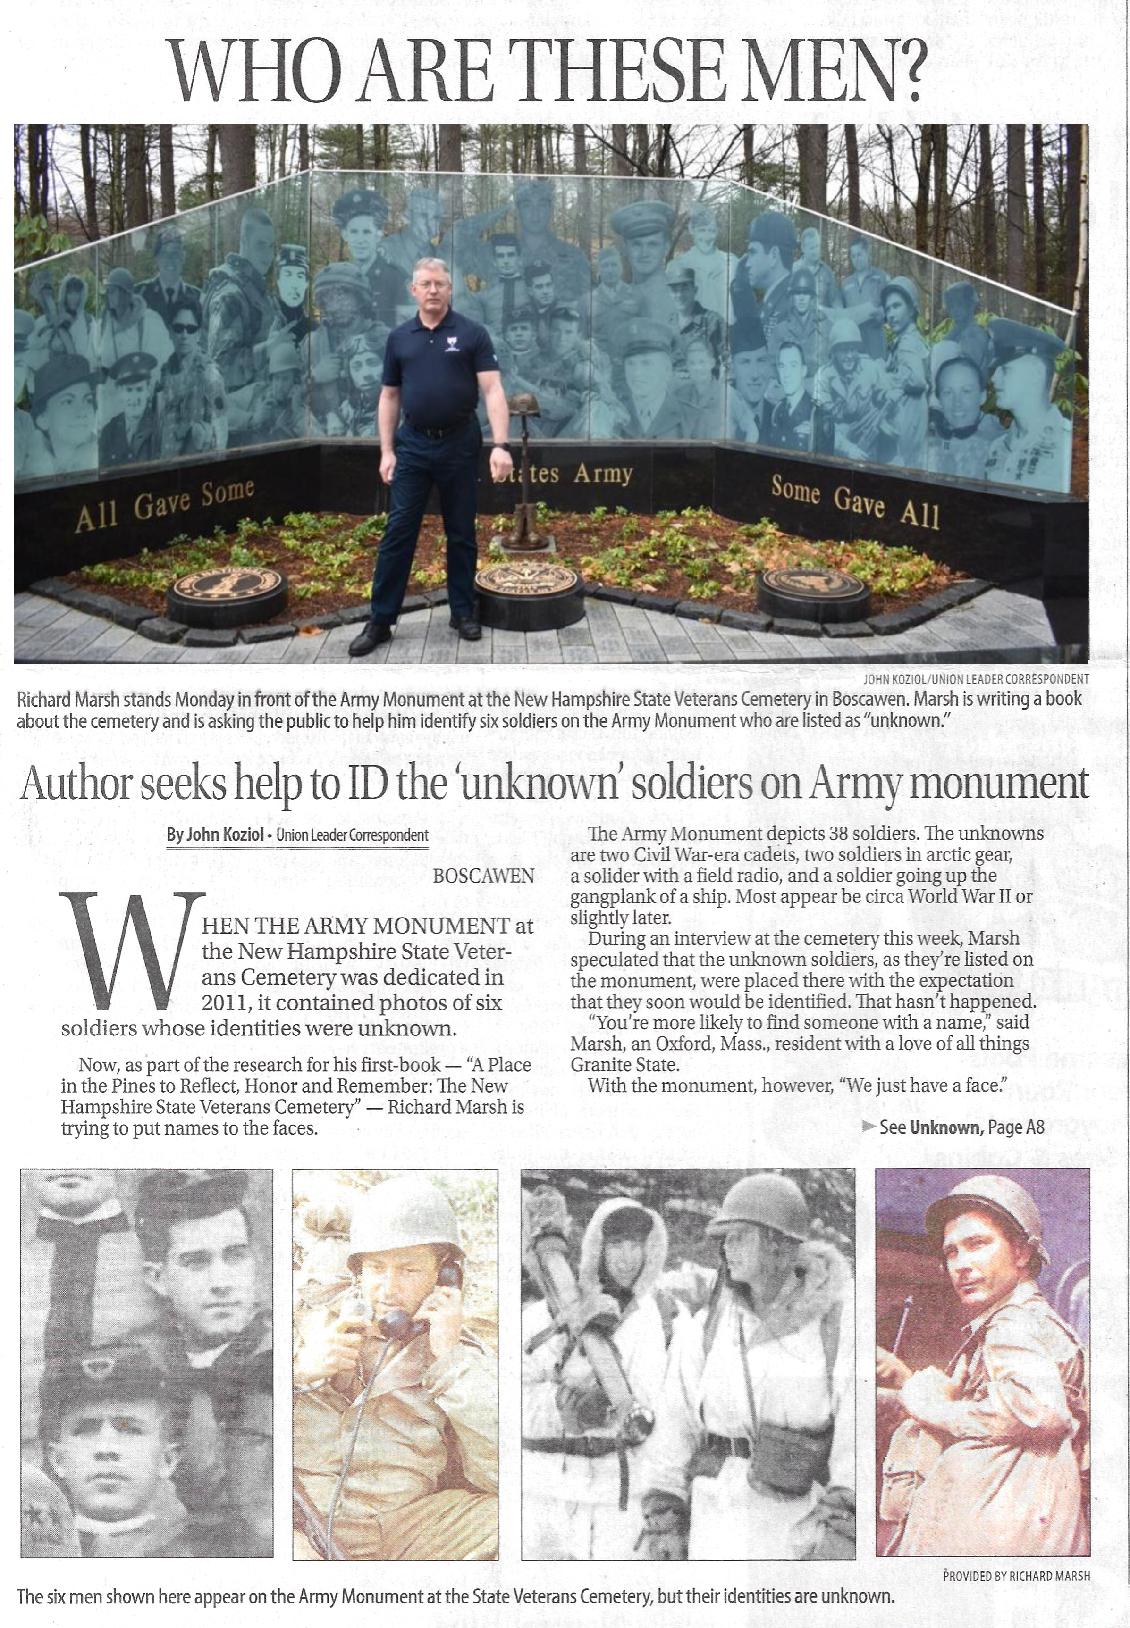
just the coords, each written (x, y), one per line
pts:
(430, 261)
(790, 344)
(167, 1198)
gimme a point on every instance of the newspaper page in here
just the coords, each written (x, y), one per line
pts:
(631, 1119)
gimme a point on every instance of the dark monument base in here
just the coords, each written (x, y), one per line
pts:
(813, 595)
(529, 595)
(999, 534)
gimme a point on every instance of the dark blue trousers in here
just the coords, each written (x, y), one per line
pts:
(452, 467)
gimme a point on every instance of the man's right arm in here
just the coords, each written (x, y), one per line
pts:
(388, 417)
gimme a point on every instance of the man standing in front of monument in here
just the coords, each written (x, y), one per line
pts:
(990, 1456)
(435, 367)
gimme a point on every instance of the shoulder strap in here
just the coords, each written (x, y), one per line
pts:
(830, 1339)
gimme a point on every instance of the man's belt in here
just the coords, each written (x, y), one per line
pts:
(575, 1446)
(441, 434)
(729, 1446)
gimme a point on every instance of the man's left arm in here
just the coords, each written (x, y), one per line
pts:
(498, 413)
(1024, 1395)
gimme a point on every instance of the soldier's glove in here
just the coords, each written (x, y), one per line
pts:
(666, 1522)
(827, 1532)
(583, 1407)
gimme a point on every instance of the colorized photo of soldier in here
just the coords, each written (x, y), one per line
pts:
(395, 1366)
(983, 1404)
(146, 1359)
(687, 1365)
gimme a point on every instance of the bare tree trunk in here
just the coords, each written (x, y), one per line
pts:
(1039, 216)
(851, 146)
(115, 221)
(941, 190)
(449, 152)
(89, 181)
(210, 163)
(620, 162)
(812, 153)
(580, 151)
(922, 196)
(1078, 153)
(237, 157)
(888, 135)
(303, 146)
(1016, 207)
(642, 146)
(987, 203)
(168, 170)
(37, 169)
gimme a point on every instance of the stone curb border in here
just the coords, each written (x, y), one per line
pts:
(164, 631)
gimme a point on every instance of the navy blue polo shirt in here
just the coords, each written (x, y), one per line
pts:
(435, 369)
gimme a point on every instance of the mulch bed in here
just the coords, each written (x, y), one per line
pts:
(693, 556)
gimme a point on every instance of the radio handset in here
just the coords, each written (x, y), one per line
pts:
(399, 1327)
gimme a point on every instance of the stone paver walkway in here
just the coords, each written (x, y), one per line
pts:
(999, 625)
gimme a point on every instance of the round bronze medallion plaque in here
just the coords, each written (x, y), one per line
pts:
(529, 595)
(229, 597)
(814, 593)
(527, 577)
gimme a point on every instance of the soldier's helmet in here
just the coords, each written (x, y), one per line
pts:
(398, 1214)
(767, 1199)
(1000, 1196)
(844, 332)
(802, 282)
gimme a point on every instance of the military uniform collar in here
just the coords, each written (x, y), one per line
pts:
(1025, 1292)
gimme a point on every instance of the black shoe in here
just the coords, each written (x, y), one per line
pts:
(466, 627)
(370, 636)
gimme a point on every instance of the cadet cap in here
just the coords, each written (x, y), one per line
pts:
(168, 1197)
(681, 274)
(293, 254)
(109, 1371)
